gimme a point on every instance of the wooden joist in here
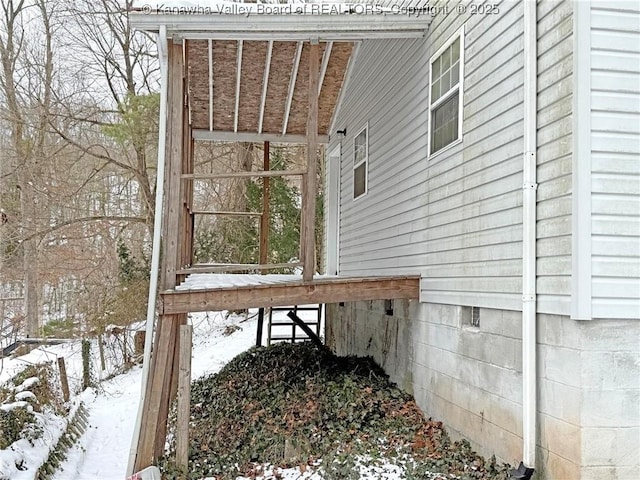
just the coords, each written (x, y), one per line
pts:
(251, 174)
(235, 267)
(322, 290)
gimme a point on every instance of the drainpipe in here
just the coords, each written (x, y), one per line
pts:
(157, 227)
(529, 385)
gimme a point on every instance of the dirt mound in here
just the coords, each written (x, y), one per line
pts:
(293, 405)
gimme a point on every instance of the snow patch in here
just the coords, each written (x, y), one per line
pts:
(26, 395)
(28, 383)
(7, 407)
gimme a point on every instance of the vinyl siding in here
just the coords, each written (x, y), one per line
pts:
(378, 231)
(615, 147)
(475, 193)
(455, 217)
(554, 156)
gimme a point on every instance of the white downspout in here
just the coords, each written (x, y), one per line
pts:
(529, 386)
(157, 228)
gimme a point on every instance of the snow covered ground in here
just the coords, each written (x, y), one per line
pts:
(103, 451)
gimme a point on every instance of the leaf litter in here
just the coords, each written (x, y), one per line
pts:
(296, 411)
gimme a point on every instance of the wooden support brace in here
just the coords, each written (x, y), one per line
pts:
(184, 398)
(152, 435)
(264, 218)
(309, 203)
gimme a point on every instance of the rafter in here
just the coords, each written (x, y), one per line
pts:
(265, 82)
(238, 78)
(325, 63)
(210, 84)
(292, 87)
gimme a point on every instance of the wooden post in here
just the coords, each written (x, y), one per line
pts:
(64, 381)
(309, 203)
(260, 327)
(184, 398)
(264, 234)
(173, 205)
(264, 218)
(163, 371)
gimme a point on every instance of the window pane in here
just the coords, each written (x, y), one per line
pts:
(446, 59)
(436, 69)
(444, 124)
(455, 73)
(455, 50)
(435, 91)
(359, 180)
(360, 147)
(446, 82)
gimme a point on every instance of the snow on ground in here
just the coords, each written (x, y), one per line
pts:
(103, 451)
(72, 353)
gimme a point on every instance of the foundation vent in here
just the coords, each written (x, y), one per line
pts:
(475, 317)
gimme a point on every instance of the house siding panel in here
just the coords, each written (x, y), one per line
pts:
(615, 147)
(442, 216)
(554, 155)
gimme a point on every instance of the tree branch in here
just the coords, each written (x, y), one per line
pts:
(96, 218)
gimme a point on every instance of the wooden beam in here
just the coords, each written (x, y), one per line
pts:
(252, 174)
(292, 87)
(320, 290)
(238, 81)
(184, 398)
(235, 267)
(167, 381)
(264, 218)
(153, 426)
(265, 83)
(185, 238)
(173, 203)
(202, 135)
(325, 62)
(309, 203)
(222, 213)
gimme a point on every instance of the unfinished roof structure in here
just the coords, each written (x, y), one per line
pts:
(252, 78)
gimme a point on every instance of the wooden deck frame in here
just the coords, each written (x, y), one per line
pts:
(320, 290)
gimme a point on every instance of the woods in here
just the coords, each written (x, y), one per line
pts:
(79, 109)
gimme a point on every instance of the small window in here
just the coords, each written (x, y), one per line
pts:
(445, 99)
(360, 161)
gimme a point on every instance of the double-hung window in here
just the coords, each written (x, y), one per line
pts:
(360, 161)
(445, 98)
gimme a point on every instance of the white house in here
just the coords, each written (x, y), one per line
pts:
(499, 158)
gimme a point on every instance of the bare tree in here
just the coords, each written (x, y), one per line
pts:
(26, 86)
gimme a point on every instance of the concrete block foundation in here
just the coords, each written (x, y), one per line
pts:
(470, 377)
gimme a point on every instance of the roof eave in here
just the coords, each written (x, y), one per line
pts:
(343, 27)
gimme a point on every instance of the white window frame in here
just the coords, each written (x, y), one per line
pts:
(459, 87)
(364, 161)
